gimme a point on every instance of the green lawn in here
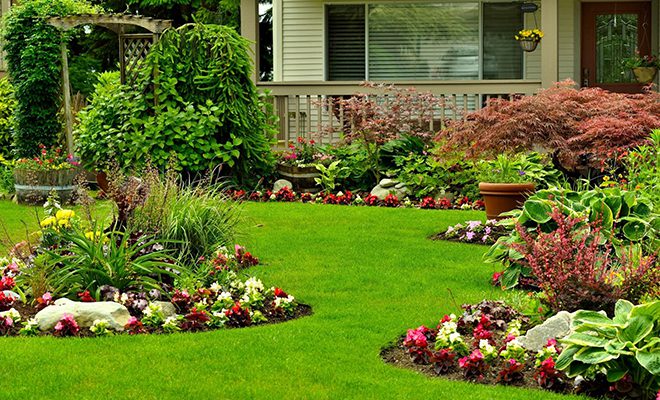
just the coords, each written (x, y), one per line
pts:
(369, 273)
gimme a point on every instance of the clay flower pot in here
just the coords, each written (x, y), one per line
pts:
(503, 197)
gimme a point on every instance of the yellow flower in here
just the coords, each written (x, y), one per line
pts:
(65, 214)
(64, 223)
(92, 235)
(45, 223)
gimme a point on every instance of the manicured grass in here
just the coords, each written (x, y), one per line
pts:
(369, 273)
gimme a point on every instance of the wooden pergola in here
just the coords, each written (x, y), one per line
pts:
(133, 49)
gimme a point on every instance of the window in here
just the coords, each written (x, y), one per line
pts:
(429, 41)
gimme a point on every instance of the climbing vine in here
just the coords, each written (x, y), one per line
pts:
(34, 66)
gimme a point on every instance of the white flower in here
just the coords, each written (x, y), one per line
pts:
(515, 342)
(340, 194)
(32, 323)
(152, 308)
(215, 287)
(272, 197)
(224, 296)
(245, 298)
(13, 314)
(124, 298)
(454, 337)
(253, 285)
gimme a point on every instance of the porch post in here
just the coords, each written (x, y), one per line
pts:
(250, 31)
(550, 43)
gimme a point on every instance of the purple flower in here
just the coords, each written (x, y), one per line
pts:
(483, 239)
(487, 230)
(521, 173)
(469, 235)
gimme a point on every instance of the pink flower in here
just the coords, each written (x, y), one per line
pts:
(415, 338)
(552, 342)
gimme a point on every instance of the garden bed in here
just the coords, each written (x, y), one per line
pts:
(476, 232)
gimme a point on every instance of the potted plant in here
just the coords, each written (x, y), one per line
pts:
(507, 181)
(643, 67)
(298, 165)
(51, 171)
(529, 38)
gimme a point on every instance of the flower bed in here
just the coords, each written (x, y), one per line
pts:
(486, 345)
(356, 199)
(477, 232)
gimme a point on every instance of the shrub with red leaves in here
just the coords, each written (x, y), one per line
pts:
(371, 200)
(427, 203)
(576, 272)
(511, 372)
(6, 301)
(181, 300)
(443, 361)
(238, 315)
(285, 194)
(582, 126)
(195, 320)
(391, 201)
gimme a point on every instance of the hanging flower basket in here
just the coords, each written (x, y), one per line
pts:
(528, 45)
(645, 75)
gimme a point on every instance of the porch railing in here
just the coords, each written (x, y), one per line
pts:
(306, 108)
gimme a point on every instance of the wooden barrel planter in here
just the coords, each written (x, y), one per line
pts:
(33, 187)
(302, 178)
(503, 197)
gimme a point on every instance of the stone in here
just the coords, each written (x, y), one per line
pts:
(84, 313)
(387, 183)
(555, 327)
(387, 186)
(168, 308)
(281, 183)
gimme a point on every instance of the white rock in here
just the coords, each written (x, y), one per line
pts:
(168, 308)
(555, 327)
(84, 313)
(387, 183)
(280, 184)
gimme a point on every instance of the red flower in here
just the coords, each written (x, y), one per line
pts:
(85, 297)
(280, 293)
(497, 276)
(7, 283)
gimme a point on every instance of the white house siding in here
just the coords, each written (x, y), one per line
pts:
(302, 40)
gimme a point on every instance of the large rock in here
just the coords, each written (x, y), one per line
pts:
(168, 308)
(280, 184)
(84, 313)
(555, 327)
(387, 186)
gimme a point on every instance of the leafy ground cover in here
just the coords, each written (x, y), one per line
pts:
(369, 273)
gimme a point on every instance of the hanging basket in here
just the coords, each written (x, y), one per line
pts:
(645, 75)
(528, 45)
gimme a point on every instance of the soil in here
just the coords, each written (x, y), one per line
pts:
(27, 312)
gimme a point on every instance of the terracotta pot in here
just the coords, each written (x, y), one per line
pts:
(302, 178)
(503, 197)
(528, 45)
(34, 187)
(645, 74)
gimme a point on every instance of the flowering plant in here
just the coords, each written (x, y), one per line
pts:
(416, 343)
(473, 366)
(101, 327)
(643, 61)
(529, 34)
(302, 154)
(53, 159)
(67, 326)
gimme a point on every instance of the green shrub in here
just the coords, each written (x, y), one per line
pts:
(192, 221)
(7, 107)
(208, 112)
(627, 345)
(33, 61)
(643, 165)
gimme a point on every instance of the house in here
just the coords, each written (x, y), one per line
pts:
(463, 50)
(4, 8)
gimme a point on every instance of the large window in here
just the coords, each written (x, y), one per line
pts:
(430, 41)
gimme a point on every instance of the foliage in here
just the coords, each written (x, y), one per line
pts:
(589, 126)
(626, 220)
(371, 123)
(519, 168)
(110, 115)
(192, 221)
(576, 270)
(643, 166)
(624, 346)
(207, 111)
(116, 260)
(33, 61)
(638, 60)
(329, 175)
(7, 108)
(302, 153)
(6, 176)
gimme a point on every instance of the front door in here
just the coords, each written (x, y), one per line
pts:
(611, 32)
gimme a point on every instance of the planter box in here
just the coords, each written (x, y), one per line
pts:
(302, 178)
(33, 187)
(503, 197)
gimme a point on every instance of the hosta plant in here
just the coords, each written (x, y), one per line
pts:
(626, 347)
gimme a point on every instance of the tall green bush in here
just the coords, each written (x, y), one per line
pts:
(207, 111)
(7, 107)
(33, 61)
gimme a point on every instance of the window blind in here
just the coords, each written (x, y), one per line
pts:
(424, 41)
(502, 55)
(346, 42)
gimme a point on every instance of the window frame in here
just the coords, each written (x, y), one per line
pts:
(367, 3)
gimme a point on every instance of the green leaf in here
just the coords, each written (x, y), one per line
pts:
(566, 357)
(614, 375)
(634, 229)
(510, 277)
(538, 211)
(650, 360)
(637, 329)
(593, 355)
(651, 309)
(584, 339)
(592, 317)
(622, 310)
(601, 213)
